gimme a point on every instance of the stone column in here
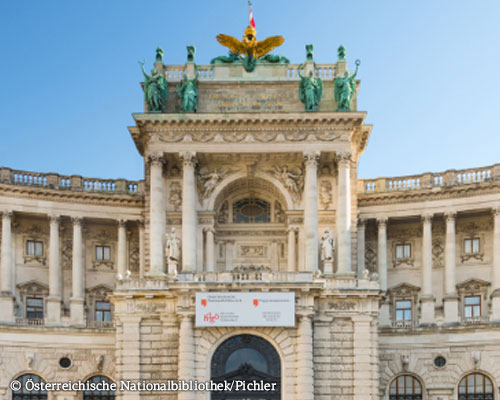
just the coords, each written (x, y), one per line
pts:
(427, 298)
(142, 248)
(121, 251)
(156, 217)
(292, 256)
(77, 298)
(363, 343)
(495, 295)
(311, 210)
(305, 367)
(361, 247)
(189, 214)
(450, 298)
(55, 273)
(343, 214)
(384, 313)
(210, 249)
(6, 295)
(187, 352)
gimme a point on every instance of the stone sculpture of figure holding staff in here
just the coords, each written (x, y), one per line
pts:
(155, 90)
(345, 87)
(188, 92)
(310, 90)
(172, 250)
(327, 245)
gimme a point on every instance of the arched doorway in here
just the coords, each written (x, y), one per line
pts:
(246, 358)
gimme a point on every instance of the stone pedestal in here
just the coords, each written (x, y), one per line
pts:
(77, 312)
(328, 267)
(384, 317)
(450, 310)
(53, 310)
(427, 310)
(172, 267)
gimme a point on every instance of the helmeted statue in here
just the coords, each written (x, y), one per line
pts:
(188, 92)
(172, 246)
(310, 90)
(155, 90)
(345, 87)
(327, 245)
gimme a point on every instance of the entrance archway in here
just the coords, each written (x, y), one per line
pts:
(246, 358)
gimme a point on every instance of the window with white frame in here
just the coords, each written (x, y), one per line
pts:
(403, 251)
(34, 248)
(472, 306)
(403, 311)
(102, 253)
(472, 245)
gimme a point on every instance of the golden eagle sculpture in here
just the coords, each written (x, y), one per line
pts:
(250, 46)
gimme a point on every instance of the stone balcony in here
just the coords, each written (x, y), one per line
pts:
(71, 182)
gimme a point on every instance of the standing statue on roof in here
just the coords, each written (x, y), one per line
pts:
(188, 92)
(310, 90)
(155, 90)
(345, 87)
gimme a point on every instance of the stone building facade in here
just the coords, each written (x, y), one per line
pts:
(98, 277)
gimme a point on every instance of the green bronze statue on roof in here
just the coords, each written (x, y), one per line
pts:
(310, 90)
(155, 90)
(188, 93)
(345, 87)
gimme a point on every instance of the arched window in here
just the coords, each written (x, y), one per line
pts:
(99, 394)
(405, 387)
(475, 387)
(247, 358)
(23, 394)
(251, 210)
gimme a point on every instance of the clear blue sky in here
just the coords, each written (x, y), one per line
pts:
(69, 75)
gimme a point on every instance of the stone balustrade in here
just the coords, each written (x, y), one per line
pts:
(70, 182)
(429, 180)
(174, 73)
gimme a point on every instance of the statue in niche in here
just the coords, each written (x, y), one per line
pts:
(155, 90)
(173, 245)
(188, 92)
(310, 90)
(327, 245)
(345, 87)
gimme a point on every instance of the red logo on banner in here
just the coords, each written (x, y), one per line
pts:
(211, 318)
(255, 302)
(204, 302)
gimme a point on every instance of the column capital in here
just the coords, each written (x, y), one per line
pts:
(382, 221)
(121, 223)
(188, 158)
(450, 216)
(54, 218)
(77, 221)
(495, 211)
(141, 223)
(7, 214)
(362, 222)
(155, 159)
(344, 158)
(427, 218)
(208, 229)
(293, 229)
(311, 158)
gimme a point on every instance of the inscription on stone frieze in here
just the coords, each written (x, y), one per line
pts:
(249, 101)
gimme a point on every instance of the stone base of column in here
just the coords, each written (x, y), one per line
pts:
(427, 309)
(345, 275)
(53, 311)
(155, 274)
(328, 268)
(7, 308)
(172, 267)
(495, 306)
(77, 312)
(384, 316)
(450, 309)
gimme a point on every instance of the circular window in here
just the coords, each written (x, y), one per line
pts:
(65, 362)
(439, 362)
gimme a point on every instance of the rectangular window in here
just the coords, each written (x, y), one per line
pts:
(403, 310)
(102, 311)
(403, 251)
(102, 253)
(472, 306)
(34, 308)
(471, 245)
(34, 248)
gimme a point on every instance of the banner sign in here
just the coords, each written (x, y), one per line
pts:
(245, 309)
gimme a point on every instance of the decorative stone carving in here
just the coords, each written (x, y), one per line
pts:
(371, 257)
(325, 194)
(208, 179)
(291, 178)
(172, 251)
(175, 196)
(342, 305)
(327, 245)
(252, 251)
(223, 214)
(134, 256)
(279, 213)
(405, 361)
(67, 253)
(437, 252)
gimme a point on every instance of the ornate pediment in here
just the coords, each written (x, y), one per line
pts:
(472, 285)
(33, 288)
(404, 290)
(100, 291)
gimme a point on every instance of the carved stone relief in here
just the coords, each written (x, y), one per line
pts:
(325, 194)
(134, 256)
(279, 213)
(223, 214)
(175, 196)
(437, 252)
(208, 179)
(252, 250)
(291, 178)
(371, 257)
